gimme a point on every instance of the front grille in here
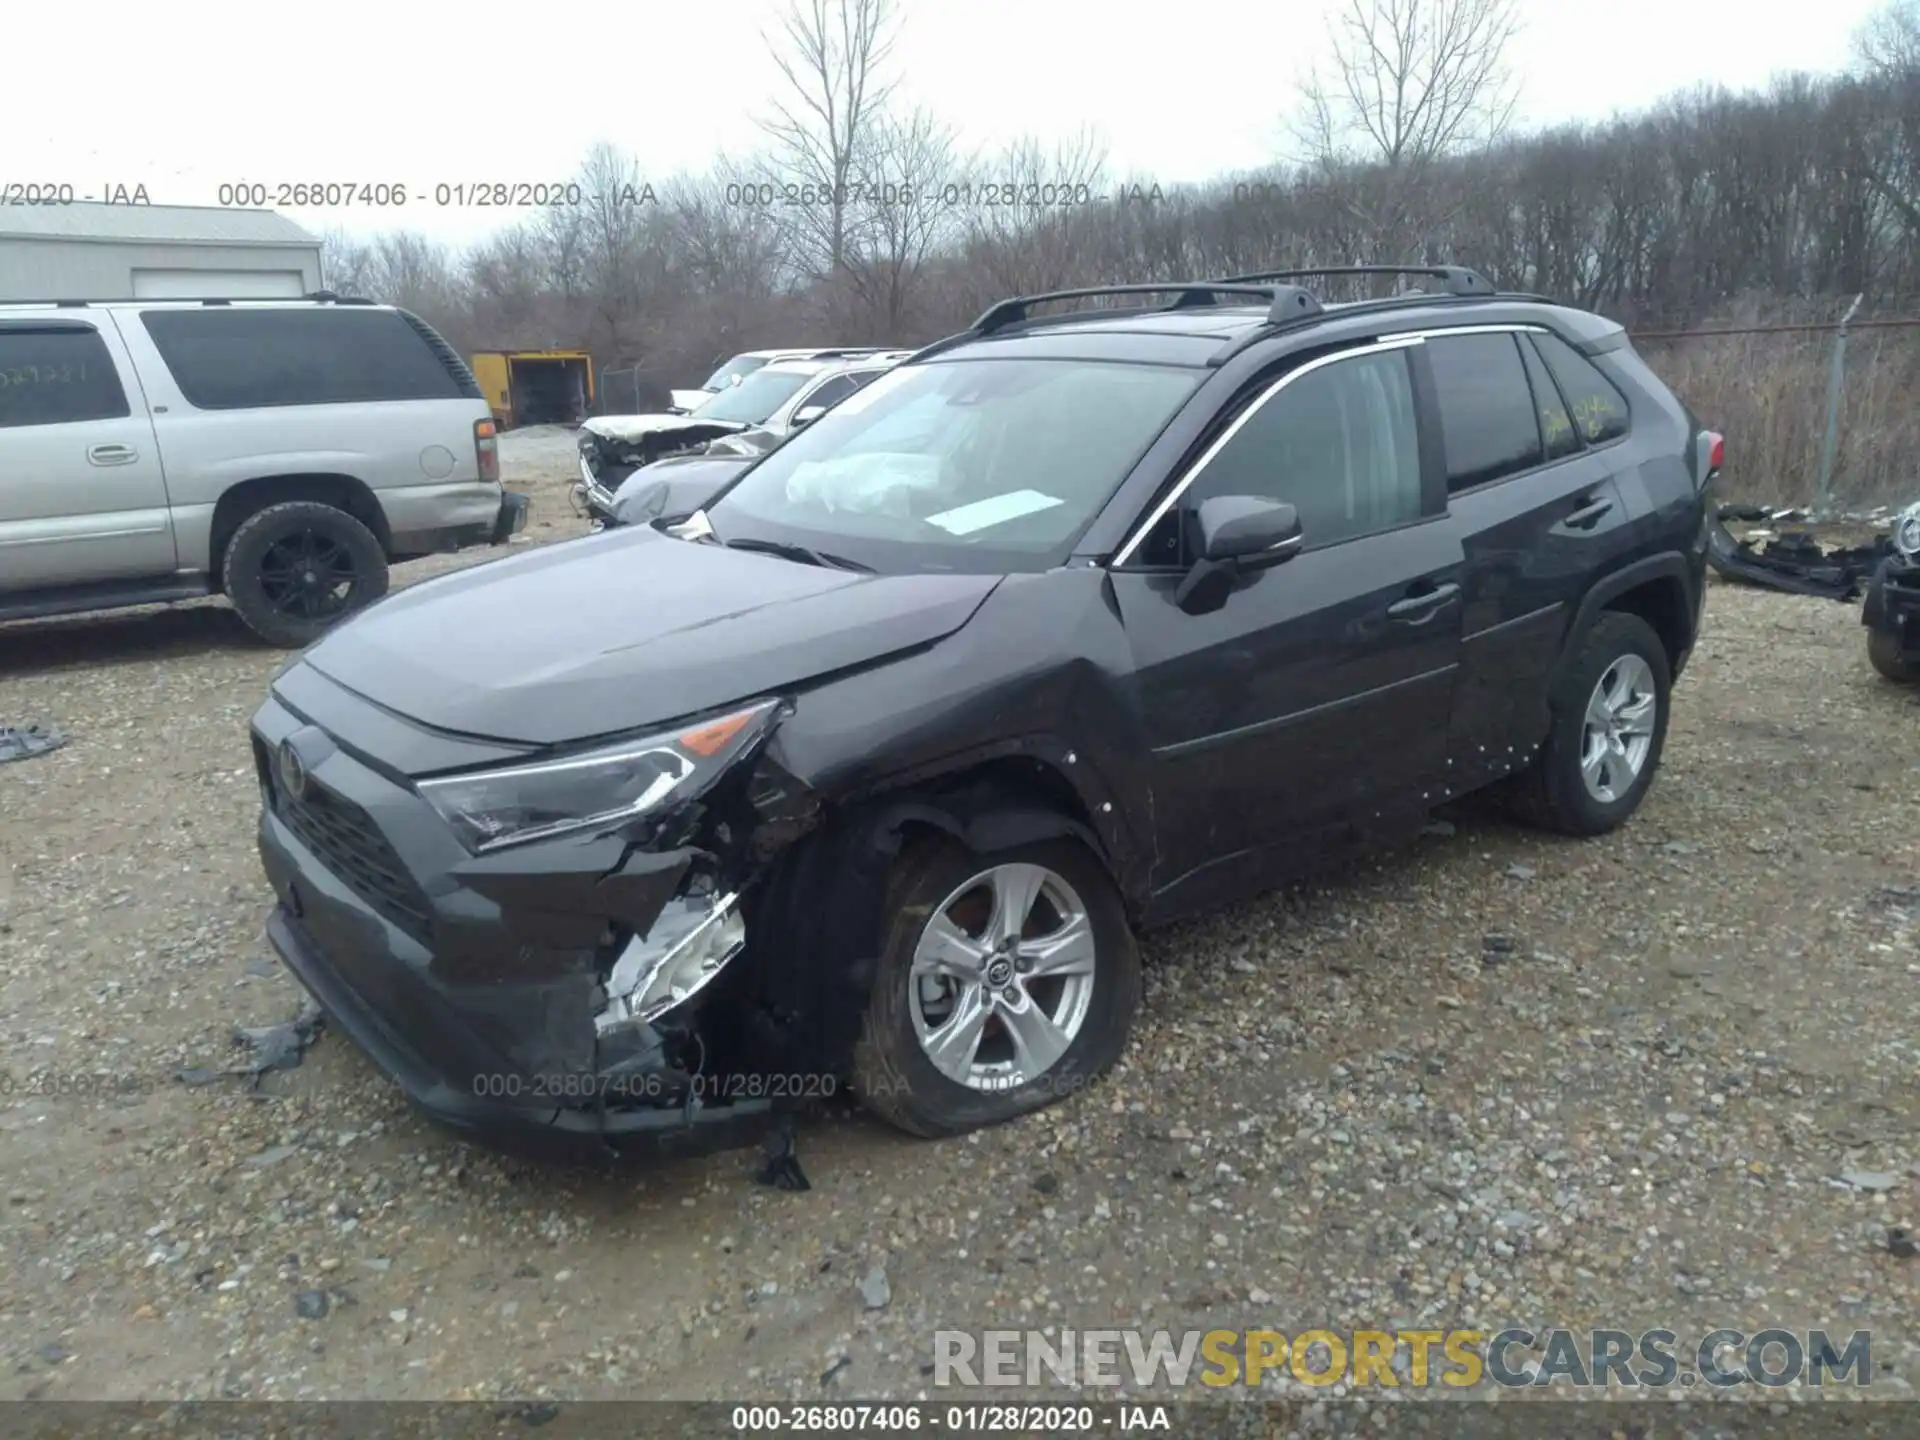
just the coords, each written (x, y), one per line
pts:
(344, 838)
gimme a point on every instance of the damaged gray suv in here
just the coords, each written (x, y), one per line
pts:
(883, 745)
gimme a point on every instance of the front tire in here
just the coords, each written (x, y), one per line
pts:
(1007, 980)
(1609, 707)
(1884, 651)
(293, 571)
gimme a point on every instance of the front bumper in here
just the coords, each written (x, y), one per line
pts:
(1893, 605)
(590, 497)
(475, 983)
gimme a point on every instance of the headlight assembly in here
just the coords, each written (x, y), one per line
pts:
(1906, 533)
(490, 809)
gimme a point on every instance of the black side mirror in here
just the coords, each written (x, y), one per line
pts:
(1236, 535)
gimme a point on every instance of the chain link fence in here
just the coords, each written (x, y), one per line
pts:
(1818, 414)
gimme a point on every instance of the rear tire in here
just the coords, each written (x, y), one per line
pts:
(1591, 774)
(1075, 926)
(1884, 651)
(295, 570)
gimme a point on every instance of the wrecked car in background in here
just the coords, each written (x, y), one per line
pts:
(870, 766)
(671, 490)
(747, 419)
(1892, 611)
(736, 368)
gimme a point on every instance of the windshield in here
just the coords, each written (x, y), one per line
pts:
(734, 370)
(974, 464)
(754, 398)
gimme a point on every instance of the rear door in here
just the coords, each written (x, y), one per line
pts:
(1317, 697)
(82, 494)
(1531, 490)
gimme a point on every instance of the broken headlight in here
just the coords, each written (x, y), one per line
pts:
(489, 809)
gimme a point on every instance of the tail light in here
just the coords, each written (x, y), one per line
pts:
(486, 448)
(1710, 450)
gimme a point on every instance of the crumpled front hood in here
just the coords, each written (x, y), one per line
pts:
(620, 630)
(628, 428)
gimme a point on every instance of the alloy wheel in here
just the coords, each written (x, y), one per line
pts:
(1618, 730)
(1002, 977)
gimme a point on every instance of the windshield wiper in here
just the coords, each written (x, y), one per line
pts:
(800, 553)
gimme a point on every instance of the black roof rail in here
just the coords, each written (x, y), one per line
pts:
(1457, 278)
(1285, 302)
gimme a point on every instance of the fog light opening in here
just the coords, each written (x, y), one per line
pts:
(693, 939)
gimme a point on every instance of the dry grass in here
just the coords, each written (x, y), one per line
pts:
(1768, 395)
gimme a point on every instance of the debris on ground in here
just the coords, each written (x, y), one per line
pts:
(282, 1046)
(1792, 560)
(23, 742)
(875, 1290)
(782, 1168)
(272, 1047)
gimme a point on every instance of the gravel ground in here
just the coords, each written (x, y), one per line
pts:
(1497, 1077)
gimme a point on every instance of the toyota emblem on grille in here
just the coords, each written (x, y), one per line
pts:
(293, 771)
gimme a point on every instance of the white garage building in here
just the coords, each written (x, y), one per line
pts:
(152, 252)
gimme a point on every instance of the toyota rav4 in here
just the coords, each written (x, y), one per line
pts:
(885, 745)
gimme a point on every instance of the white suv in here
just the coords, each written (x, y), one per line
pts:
(281, 453)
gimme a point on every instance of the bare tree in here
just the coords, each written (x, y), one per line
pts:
(833, 55)
(904, 219)
(1407, 84)
(1410, 81)
(1889, 42)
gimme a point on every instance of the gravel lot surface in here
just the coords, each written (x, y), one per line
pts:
(1497, 1077)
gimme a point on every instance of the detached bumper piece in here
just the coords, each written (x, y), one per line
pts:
(1794, 561)
(512, 519)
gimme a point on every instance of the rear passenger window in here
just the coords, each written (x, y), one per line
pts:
(831, 393)
(1486, 408)
(1556, 426)
(242, 359)
(57, 376)
(1599, 411)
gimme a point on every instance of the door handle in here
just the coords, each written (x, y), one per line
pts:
(112, 454)
(1421, 607)
(1587, 514)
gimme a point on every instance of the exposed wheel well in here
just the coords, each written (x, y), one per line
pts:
(1662, 603)
(249, 497)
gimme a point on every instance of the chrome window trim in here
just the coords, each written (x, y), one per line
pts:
(1508, 328)
(1386, 342)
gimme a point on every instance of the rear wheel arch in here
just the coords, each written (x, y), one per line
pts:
(240, 502)
(1658, 589)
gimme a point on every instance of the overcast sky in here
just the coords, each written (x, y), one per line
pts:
(384, 91)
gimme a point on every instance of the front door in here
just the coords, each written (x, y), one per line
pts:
(1314, 701)
(82, 496)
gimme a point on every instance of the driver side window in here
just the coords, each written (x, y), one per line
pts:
(1340, 444)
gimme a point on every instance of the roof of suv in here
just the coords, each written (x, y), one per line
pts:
(881, 361)
(1209, 321)
(317, 299)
